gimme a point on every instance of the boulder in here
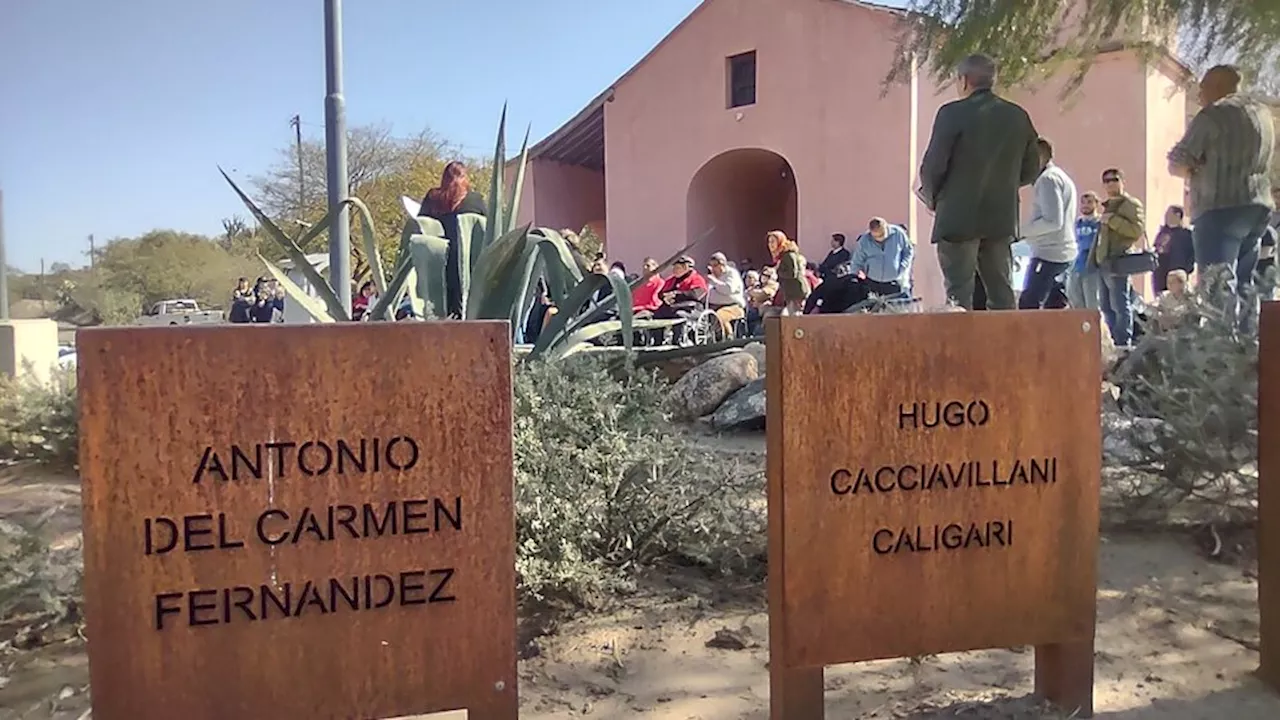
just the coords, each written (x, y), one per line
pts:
(706, 386)
(676, 368)
(744, 410)
(756, 350)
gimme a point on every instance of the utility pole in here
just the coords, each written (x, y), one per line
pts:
(4, 268)
(335, 126)
(93, 252)
(296, 123)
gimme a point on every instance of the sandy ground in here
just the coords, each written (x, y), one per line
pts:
(1177, 640)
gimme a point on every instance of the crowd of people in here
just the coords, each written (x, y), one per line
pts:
(741, 295)
(263, 302)
(1087, 248)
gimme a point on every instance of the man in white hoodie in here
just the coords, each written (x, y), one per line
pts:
(1051, 235)
(726, 294)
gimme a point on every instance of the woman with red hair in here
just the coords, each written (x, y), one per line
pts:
(793, 288)
(453, 197)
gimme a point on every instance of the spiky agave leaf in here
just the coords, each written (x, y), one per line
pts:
(429, 257)
(498, 225)
(370, 243)
(314, 307)
(389, 300)
(547, 255)
(299, 258)
(559, 325)
(560, 266)
(416, 225)
(494, 273)
(517, 183)
(472, 233)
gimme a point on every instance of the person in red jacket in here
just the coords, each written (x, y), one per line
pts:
(645, 298)
(683, 293)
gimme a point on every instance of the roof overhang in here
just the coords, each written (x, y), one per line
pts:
(580, 141)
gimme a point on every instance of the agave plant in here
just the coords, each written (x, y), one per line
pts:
(500, 264)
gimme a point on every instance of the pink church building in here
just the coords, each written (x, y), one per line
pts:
(755, 115)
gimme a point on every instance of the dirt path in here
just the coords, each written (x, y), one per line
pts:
(1177, 640)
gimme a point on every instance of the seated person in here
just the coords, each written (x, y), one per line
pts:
(836, 294)
(882, 258)
(684, 293)
(1173, 302)
(645, 298)
(811, 275)
(760, 296)
(725, 294)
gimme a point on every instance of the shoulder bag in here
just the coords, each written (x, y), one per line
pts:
(1134, 263)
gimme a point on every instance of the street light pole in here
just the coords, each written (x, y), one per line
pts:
(335, 127)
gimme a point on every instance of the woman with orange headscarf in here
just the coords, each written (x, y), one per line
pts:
(792, 286)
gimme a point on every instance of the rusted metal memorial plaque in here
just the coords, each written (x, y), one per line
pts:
(933, 487)
(1268, 494)
(299, 522)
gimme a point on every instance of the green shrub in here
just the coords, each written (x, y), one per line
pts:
(606, 484)
(1189, 408)
(40, 586)
(38, 422)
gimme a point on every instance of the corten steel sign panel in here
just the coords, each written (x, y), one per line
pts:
(933, 487)
(1268, 495)
(288, 522)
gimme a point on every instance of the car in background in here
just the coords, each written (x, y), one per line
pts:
(179, 312)
(67, 357)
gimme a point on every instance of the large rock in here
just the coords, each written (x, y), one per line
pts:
(756, 350)
(676, 368)
(744, 410)
(705, 387)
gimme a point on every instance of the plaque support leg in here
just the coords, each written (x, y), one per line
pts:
(795, 693)
(502, 706)
(1269, 572)
(1064, 676)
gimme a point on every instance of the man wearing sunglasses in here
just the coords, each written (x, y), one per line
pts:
(1122, 226)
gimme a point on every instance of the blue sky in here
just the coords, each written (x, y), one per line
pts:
(116, 114)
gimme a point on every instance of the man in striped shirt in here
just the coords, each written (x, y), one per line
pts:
(1226, 157)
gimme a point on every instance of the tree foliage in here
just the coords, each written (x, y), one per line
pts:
(381, 166)
(1031, 38)
(130, 274)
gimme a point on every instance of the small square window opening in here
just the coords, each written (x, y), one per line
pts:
(742, 79)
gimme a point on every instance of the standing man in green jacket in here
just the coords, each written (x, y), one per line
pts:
(983, 149)
(1121, 232)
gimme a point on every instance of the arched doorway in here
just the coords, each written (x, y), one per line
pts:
(743, 194)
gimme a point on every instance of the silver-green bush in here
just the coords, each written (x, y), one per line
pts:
(1188, 407)
(38, 422)
(605, 484)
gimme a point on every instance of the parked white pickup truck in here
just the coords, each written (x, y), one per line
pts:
(179, 312)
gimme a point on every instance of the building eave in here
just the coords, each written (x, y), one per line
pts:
(580, 141)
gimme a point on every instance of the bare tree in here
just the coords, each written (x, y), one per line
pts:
(373, 153)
